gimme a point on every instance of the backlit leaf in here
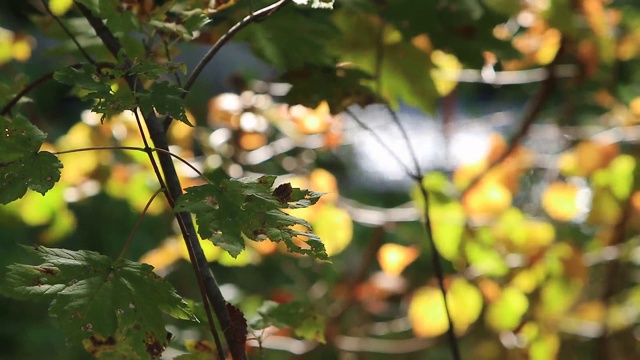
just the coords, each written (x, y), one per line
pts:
(247, 207)
(506, 312)
(305, 320)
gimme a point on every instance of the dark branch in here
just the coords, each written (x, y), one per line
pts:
(159, 138)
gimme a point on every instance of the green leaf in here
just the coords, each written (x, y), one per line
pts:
(248, 207)
(166, 98)
(95, 87)
(461, 27)
(19, 138)
(403, 69)
(292, 38)
(22, 167)
(305, 320)
(151, 70)
(339, 87)
(117, 18)
(114, 308)
(182, 23)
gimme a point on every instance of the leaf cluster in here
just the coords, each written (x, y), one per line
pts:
(233, 210)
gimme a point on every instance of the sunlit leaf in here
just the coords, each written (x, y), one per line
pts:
(484, 259)
(465, 301)
(560, 201)
(250, 208)
(334, 226)
(394, 258)
(506, 312)
(447, 222)
(427, 313)
(305, 319)
(59, 7)
(544, 347)
(486, 200)
(605, 208)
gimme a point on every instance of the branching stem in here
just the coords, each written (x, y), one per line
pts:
(135, 148)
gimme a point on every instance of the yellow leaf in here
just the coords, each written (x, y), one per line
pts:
(21, 49)
(486, 200)
(394, 258)
(545, 347)
(427, 313)
(446, 72)
(60, 7)
(465, 303)
(323, 181)
(334, 227)
(560, 201)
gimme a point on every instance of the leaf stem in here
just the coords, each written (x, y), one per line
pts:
(253, 17)
(135, 148)
(138, 222)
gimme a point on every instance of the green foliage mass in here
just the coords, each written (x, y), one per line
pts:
(114, 308)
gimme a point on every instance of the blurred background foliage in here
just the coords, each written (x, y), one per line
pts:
(523, 115)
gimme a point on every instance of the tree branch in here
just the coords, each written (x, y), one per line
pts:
(256, 16)
(159, 138)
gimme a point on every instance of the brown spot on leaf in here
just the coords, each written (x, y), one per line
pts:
(47, 270)
(283, 192)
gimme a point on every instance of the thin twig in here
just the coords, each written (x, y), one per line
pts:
(167, 53)
(377, 137)
(69, 34)
(39, 81)
(184, 162)
(379, 57)
(203, 273)
(190, 247)
(135, 148)
(394, 116)
(138, 222)
(437, 266)
(252, 17)
(256, 16)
